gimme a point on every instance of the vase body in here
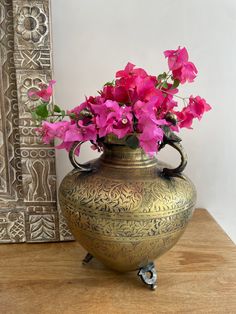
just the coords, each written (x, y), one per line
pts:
(124, 211)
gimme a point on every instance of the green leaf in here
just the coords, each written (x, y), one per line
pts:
(63, 113)
(162, 76)
(165, 85)
(175, 84)
(132, 141)
(56, 108)
(42, 111)
(73, 115)
(34, 115)
(112, 83)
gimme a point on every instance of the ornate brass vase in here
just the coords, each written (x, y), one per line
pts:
(126, 209)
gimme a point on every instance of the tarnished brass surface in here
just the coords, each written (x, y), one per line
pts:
(124, 211)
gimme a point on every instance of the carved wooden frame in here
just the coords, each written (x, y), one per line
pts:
(28, 202)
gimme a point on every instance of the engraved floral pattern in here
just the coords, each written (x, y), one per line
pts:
(29, 84)
(31, 24)
(126, 217)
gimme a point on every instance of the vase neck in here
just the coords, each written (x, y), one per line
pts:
(123, 156)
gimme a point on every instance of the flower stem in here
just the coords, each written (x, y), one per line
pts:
(165, 92)
(182, 98)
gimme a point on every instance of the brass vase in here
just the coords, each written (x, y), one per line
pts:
(125, 208)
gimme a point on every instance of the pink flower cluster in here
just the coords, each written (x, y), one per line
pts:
(135, 103)
(45, 91)
(181, 68)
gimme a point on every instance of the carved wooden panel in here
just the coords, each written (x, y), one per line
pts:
(28, 202)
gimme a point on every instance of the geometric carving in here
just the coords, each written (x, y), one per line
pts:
(65, 233)
(32, 59)
(39, 181)
(41, 224)
(12, 226)
(42, 227)
(28, 201)
(10, 165)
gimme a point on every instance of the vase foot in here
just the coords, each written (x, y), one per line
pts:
(87, 259)
(148, 274)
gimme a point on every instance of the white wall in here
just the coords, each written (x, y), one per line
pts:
(94, 38)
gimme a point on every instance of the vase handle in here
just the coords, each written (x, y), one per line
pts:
(75, 164)
(178, 170)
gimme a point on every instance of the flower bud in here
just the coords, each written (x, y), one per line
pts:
(171, 117)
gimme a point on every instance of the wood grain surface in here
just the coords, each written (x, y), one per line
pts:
(197, 276)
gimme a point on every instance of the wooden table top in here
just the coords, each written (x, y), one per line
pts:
(198, 275)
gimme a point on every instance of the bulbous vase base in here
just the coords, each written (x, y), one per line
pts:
(125, 211)
(148, 273)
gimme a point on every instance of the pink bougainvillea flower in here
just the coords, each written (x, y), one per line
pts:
(127, 77)
(45, 91)
(181, 68)
(124, 125)
(76, 110)
(108, 92)
(149, 139)
(87, 104)
(127, 70)
(185, 118)
(144, 112)
(176, 58)
(121, 94)
(112, 118)
(130, 70)
(108, 109)
(186, 73)
(80, 132)
(68, 146)
(134, 103)
(50, 131)
(76, 133)
(106, 115)
(127, 82)
(117, 93)
(149, 125)
(147, 112)
(145, 88)
(167, 105)
(142, 109)
(197, 106)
